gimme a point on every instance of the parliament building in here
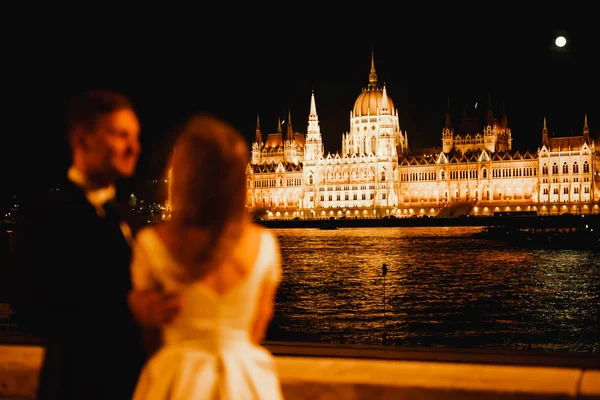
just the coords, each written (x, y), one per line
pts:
(475, 172)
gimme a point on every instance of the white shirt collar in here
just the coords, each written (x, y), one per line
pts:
(97, 197)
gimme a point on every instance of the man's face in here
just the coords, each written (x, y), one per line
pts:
(113, 148)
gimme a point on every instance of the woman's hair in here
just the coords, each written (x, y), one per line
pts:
(208, 190)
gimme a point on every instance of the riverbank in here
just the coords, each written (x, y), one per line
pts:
(516, 221)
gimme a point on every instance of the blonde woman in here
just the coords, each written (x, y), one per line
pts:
(224, 268)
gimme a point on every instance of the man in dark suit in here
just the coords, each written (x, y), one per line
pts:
(77, 287)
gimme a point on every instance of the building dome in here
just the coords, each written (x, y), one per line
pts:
(370, 102)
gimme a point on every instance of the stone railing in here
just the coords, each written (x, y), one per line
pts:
(334, 372)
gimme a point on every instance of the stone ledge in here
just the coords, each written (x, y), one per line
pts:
(590, 385)
(305, 377)
(19, 367)
(331, 378)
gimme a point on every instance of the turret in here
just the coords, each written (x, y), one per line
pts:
(545, 139)
(586, 130)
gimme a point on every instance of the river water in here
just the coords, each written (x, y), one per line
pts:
(443, 288)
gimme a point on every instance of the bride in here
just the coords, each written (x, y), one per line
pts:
(225, 269)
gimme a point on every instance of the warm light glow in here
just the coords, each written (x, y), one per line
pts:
(560, 41)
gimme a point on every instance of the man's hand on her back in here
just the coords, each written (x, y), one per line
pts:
(152, 308)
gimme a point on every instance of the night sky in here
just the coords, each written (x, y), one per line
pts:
(170, 72)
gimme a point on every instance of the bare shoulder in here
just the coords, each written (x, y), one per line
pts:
(254, 228)
(259, 232)
(145, 235)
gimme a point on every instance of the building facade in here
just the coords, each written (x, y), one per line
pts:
(475, 172)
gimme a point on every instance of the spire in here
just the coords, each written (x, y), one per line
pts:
(385, 105)
(586, 129)
(448, 124)
(278, 124)
(545, 140)
(258, 138)
(372, 73)
(313, 107)
(504, 117)
(314, 144)
(290, 131)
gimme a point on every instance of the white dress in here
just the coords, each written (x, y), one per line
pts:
(207, 351)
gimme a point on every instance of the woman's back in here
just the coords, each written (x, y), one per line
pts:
(222, 317)
(227, 296)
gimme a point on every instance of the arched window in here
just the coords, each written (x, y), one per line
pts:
(310, 179)
(565, 168)
(554, 168)
(575, 168)
(484, 172)
(544, 169)
(586, 167)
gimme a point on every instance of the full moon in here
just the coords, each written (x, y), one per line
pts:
(560, 41)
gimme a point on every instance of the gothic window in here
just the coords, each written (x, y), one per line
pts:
(310, 180)
(586, 167)
(545, 190)
(544, 169)
(383, 176)
(565, 168)
(575, 168)
(554, 168)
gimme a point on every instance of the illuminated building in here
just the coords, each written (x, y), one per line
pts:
(476, 172)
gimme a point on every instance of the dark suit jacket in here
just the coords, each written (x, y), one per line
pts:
(76, 279)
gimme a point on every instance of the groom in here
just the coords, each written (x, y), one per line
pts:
(76, 262)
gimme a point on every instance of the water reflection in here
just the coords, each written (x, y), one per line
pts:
(443, 288)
